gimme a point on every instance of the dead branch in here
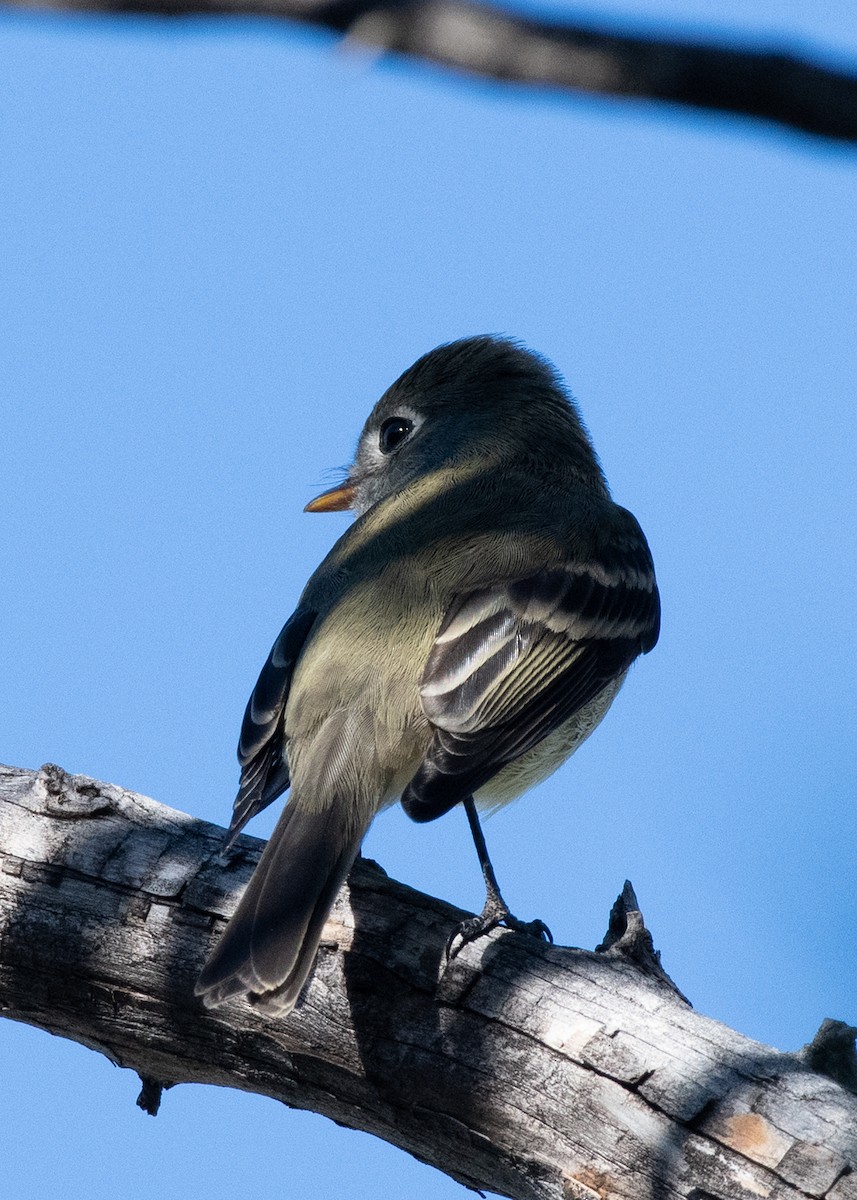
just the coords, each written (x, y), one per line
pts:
(530, 1070)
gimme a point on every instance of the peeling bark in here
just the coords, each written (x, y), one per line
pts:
(530, 1070)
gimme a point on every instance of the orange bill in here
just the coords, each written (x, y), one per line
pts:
(336, 499)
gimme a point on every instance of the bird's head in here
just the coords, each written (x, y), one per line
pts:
(481, 399)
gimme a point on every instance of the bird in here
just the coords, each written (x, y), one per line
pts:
(462, 638)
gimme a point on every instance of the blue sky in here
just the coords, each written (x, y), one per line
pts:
(221, 241)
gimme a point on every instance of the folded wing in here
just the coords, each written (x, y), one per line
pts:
(262, 746)
(513, 662)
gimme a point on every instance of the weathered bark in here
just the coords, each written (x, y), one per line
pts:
(479, 39)
(526, 1069)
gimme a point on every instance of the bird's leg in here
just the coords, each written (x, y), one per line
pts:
(496, 911)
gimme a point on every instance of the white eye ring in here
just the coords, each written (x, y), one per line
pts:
(393, 432)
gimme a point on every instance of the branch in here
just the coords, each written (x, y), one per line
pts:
(530, 1070)
(499, 44)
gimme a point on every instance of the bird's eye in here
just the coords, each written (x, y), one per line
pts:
(393, 432)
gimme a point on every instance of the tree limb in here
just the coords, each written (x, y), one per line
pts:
(529, 1070)
(499, 44)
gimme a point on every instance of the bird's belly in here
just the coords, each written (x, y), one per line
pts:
(540, 762)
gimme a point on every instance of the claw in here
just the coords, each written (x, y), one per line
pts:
(470, 931)
(490, 918)
(536, 929)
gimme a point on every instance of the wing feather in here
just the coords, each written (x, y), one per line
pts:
(513, 662)
(262, 745)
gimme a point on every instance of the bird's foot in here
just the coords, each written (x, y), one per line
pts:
(493, 914)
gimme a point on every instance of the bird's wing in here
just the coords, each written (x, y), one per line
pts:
(262, 746)
(514, 661)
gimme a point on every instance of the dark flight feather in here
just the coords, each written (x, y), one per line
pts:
(513, 662)
(262, 746)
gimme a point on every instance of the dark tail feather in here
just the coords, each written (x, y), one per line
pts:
(268, 948)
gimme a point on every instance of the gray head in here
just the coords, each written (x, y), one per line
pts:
(485, 397)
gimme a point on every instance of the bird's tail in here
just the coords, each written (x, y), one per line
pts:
(268, 948)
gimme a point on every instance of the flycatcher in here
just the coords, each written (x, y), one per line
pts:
(458, 643)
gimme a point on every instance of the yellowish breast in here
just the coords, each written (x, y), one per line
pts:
(540, 762)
